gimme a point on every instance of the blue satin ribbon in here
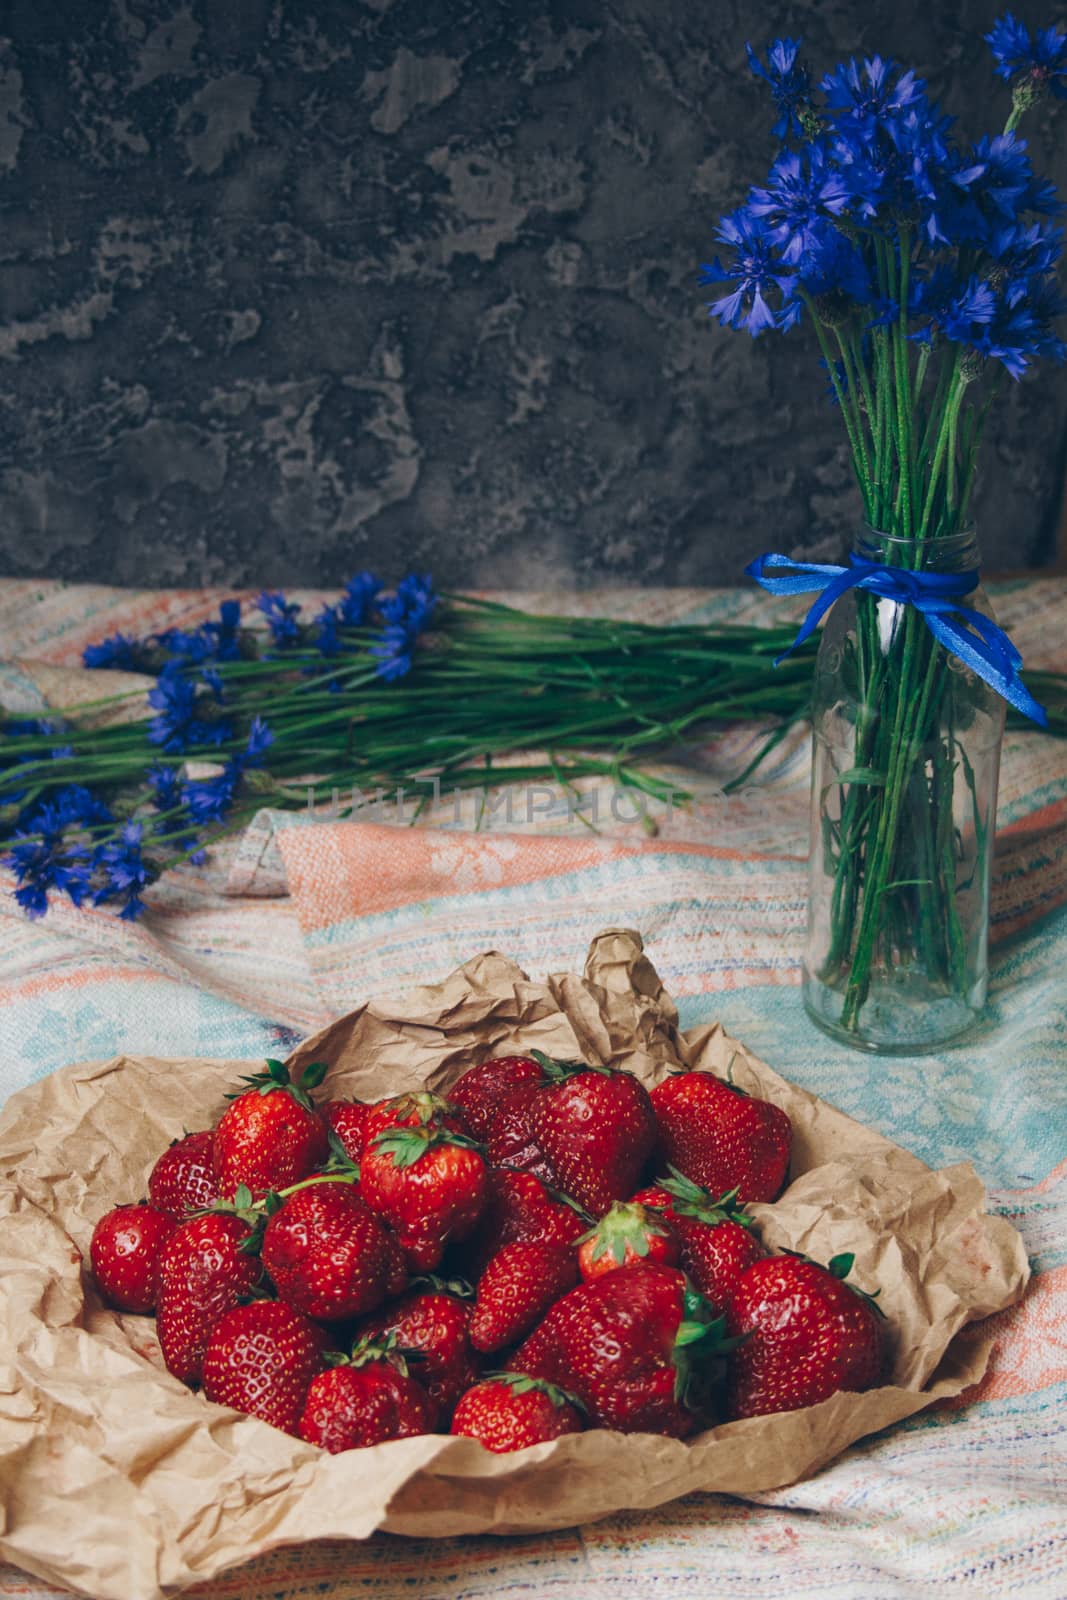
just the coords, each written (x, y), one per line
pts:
(978, 642)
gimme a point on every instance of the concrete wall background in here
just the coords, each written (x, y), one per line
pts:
(291, 287)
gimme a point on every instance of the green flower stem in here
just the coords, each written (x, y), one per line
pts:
(946, 435)
(847, 404)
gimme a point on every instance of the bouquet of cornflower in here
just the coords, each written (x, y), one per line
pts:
(926, 266)
(396, 692)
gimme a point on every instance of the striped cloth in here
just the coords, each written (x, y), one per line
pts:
(302, 918)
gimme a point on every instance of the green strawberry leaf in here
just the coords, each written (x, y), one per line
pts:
(690, 1200)
(433, 1282)
(558, 1071)
(839, 1267)
(522, 1383)
(408, 1145)
(340, 1160)
(313, 1074)
(276, 1079)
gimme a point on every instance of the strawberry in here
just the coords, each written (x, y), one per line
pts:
(363, 1400)
(433, 1321)
(521, 1207)
(510, 1411)
(347, 1121)
(202, 1273)
(124, 1252)
(260, 1359)
(419, 1109)
(329, 1255)
(721, 1137)
(715, 1234)
(481, 1091)
(511, 1141)
(631, 1346)
(428, 1183)
(806, 1335)
(183, 1179)
(270, 1136)
(515, 1291)
(597, 1128)
(629, 1232)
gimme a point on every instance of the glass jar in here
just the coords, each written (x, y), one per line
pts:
(904, 789)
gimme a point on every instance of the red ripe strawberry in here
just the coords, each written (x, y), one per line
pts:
(482, 1090)
(721, 1137)
(715, 1234)
(627, 1346)
(511, 1411)
(124, 1252)
(597, 1128)
(364, 1401)
(511, 1141)
(260, 1359)
(202, 1274)
(419, 1109)
(521, 1208)
(329, 1255)
(435, 1323)
(626, 1234)
(183, 1179)
(428, 1183)
(347, 1121)
(515, 1291)
(270, 1136)
(806, 1335)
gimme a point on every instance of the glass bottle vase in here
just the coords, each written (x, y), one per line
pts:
(906, 757)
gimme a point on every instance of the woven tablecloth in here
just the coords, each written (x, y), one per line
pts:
(302, 918)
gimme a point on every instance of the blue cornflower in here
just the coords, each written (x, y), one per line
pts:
(179, 725)
(1041, 59)
(754, 269)
(941, 303)
(801, 190)
(281, 617)
(833, 265)
(1022, 326)
(42, 859)
(414, 596)
(999, 173)
(260, 739)
(358, 599)
(209, 799)
(790, 84)
(124, 871)
(118, 652)
(77, 807)
(899, 165)
(327, 638)
(1023, 251)
(188, 649)
(405, 614)
(165, 784)
(869, 95)
(225, 634)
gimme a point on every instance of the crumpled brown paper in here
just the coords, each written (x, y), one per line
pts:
(121, 1484)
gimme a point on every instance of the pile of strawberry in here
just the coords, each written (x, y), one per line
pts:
(495, 1264)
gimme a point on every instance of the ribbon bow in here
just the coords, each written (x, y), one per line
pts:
(978, 642)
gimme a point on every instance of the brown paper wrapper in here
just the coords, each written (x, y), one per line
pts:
(120, 1483)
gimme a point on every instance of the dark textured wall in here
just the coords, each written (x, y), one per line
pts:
(290, 287)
